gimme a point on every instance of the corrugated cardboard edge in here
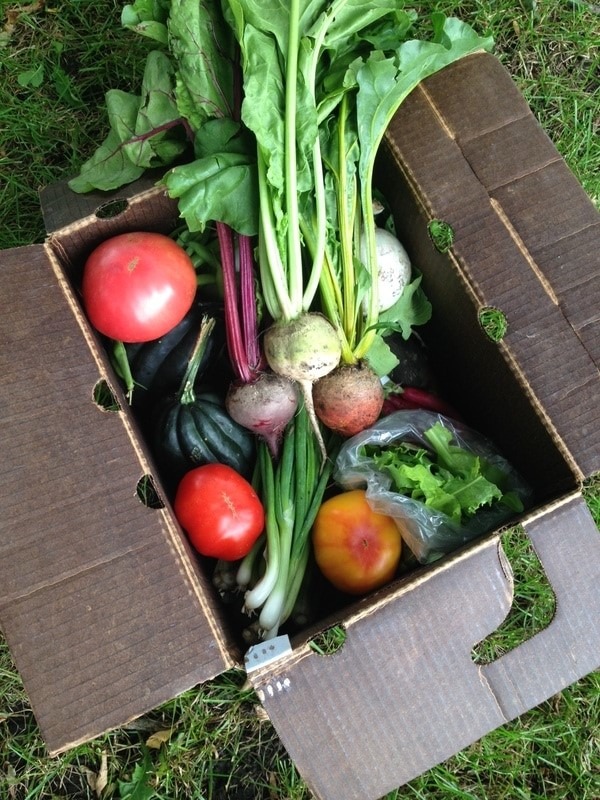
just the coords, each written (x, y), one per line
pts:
(362, 611)
(72, 248)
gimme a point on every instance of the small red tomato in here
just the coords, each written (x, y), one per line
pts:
(220, 511)
(138, 286)
(356, 548)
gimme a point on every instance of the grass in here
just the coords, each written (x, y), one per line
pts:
(56, 61)
(494, 323)
(441, 234)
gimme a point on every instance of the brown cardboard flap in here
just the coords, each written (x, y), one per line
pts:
(403, 676)
(478, 96)
(61, 206)
(567, 543)
(149, 210)
(97, 591)
(403, 692)
(526, 236)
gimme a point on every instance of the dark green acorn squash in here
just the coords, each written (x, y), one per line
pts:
(190, 429)
(158, 367)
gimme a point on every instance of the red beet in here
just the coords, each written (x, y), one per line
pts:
(264, 406)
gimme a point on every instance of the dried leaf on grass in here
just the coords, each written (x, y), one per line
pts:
(98, 781)
(158, 738)
(12, 18)
(11, 778)
(261, 713)
(102, 779)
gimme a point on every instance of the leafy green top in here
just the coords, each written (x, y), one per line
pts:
(447, 477)
(320, 83)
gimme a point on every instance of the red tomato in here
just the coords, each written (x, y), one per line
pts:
(219, 510)
(356, 548)
(138, 286)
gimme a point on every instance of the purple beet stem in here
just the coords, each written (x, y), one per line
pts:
(241, 329)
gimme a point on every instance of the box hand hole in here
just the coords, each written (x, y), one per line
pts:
(328, 641)
(147, 492)
(441, 234)
(493, 323)
(104, 397)
(533, 604)
(112, 208)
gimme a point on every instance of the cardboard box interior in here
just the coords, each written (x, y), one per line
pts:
(109, 613)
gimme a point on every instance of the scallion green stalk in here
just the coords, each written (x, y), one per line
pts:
(259, 593)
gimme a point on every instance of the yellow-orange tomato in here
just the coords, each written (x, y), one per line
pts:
(356, 548)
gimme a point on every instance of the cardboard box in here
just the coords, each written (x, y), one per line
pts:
(108, 613)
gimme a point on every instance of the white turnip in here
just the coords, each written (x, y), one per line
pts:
(393, 268)
(303, 350)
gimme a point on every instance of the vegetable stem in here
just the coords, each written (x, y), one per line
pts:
(270, 615)
(318, 250)
(297, 574)
(186, 391)
(272, 272)
(345, 232)
(233, 328)
(295, 276)
(259, 593)
(368, 231)
(248, 304)
(331, 298)
(292, 495)
(246, 566)
(123, 368)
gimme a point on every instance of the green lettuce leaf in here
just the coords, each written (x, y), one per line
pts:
(447, 478)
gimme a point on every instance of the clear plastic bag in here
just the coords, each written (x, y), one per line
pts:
(428, 533)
